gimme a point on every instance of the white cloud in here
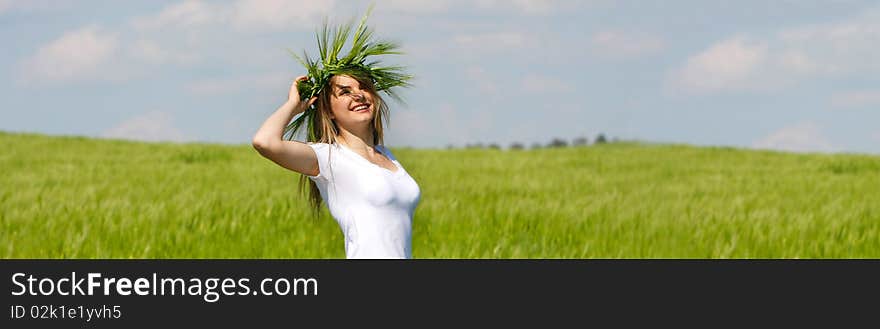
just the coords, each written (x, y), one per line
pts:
(797, 62)
(858, 98)
(278, 14)
(183, 15)
(801, 137)
(152, 126)
(249, 15)
(730, 64)
(177, 35)
(93, 53)
(618, 44)
(765, 62)
(844, 47)
(78, 54)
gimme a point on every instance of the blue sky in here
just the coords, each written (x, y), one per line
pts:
(785, 75)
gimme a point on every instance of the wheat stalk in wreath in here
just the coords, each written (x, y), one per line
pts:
(385, 78)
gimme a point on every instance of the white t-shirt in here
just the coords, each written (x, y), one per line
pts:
(373, 205)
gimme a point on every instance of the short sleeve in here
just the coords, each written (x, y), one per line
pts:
(322, 151)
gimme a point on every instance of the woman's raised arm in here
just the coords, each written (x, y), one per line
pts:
(293, 155)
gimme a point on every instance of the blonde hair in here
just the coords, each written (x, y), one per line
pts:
(325, 130)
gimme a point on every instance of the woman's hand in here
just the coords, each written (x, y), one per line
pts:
(293, 96)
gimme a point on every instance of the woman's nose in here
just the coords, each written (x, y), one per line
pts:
(358, 97)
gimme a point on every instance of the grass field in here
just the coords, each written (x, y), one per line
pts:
(73, 197)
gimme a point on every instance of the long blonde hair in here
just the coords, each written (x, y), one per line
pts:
(326, 130)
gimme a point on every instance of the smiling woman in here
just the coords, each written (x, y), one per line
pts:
(343, 161)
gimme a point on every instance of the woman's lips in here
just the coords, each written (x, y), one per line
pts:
(362, 108)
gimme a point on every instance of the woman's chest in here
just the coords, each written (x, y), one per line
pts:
(377, 186)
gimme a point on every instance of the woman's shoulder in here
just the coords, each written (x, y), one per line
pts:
(321, 144)
(320, 147)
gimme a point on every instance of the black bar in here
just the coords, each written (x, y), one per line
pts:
(450, 291)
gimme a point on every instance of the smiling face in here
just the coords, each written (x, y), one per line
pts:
(350, 103)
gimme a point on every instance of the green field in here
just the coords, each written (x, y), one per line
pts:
(73, 197)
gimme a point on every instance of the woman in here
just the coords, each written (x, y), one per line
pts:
(367, 191)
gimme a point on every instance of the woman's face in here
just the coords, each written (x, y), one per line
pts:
(350, 105)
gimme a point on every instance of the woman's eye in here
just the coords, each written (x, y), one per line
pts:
(344, 92)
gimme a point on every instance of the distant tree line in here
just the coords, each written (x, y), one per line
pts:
(556, 142)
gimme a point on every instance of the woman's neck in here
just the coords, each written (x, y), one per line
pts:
(356, 140)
